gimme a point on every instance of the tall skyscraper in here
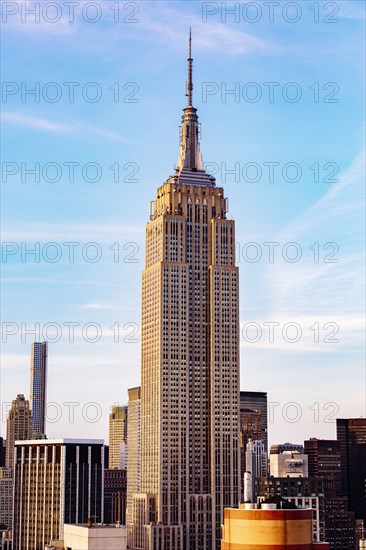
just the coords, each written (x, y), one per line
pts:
(117, 438)
(38, 387)
(56, 481)
(351, 434)
(19, 426)
(190, 456)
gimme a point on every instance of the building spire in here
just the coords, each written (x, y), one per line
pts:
(190, 154)
(190, 66)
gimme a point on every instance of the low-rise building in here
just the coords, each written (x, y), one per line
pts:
(96, 537)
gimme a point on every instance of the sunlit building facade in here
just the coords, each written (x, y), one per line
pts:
(190, 457)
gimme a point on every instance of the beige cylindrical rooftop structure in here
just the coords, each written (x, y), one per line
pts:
(270, 529)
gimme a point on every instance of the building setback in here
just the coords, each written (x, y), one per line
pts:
(38, 387)
(55, 482)
(190, 456)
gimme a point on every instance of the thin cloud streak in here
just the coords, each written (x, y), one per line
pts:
(46, 232)
(38, 123)
(35, 122)
(212, 35)
(336, 222)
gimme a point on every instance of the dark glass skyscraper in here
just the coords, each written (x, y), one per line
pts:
(38, 387)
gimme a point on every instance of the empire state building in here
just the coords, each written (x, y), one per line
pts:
(190, 360)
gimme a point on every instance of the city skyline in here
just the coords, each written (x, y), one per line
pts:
(305, 212)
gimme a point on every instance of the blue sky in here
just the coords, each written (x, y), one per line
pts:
(315, 199)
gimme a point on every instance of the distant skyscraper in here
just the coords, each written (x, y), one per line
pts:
(134, 452)
(253, 425)
(190, 456)
(256, 461)
(351, 434)
(254, 417)
(324, 461)
(117, 438)
(38, 387)
(19, 426)
(56, 481)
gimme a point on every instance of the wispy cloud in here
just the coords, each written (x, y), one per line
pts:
(27, 16)
(82, 232)
(43, 124)
(320, 334)
(34, 122)
(166, 23)
(106, 306)
(315, 286)
(348, 9)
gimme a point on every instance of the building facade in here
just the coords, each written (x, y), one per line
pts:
(304, 492)
(254, 417)
(288, 463)
(134, 451)
(96, 537)
(283, 447)
(115, 491)
(117, 438)
(324, 461)
(190, 457)
(340, 524)
(253, 425)
(55, 482)
(6, 498)
(38, 387)
(19, 426)
(2, 452)
(351, 434)
(256, 462)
